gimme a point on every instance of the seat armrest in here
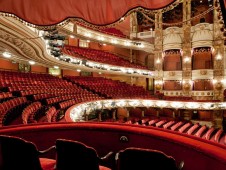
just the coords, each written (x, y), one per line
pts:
(108, 160)
(181, 165)
(107, 156)
(47, 150)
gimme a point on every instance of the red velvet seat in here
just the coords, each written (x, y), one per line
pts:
(76, 155)
(140, 159)
(17, 153)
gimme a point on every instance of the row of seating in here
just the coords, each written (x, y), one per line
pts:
(71, 154)
(67, 103)
(111, 30)
(82, 89)
(29, 112)
(7, 105)
(107, 87)
(184, 127)
(177, 98)
(47, 89)
(50, 113)
(4, 95)
(99, 56)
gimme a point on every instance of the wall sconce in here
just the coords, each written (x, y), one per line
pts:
(158, 61)
(214, 81)
(218, 57)
(186, 60)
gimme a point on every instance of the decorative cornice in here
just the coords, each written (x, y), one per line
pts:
(21, 46)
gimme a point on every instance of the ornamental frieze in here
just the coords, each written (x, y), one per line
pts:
(19, 43)
(218, 73)
(186, 73)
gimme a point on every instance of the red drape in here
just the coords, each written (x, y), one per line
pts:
(97, 12)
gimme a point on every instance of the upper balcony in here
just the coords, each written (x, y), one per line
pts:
(73, 29)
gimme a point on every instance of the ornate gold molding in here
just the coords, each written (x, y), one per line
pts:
(18, 43)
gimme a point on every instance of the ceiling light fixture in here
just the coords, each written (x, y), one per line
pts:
(7, 55)
(31, 62)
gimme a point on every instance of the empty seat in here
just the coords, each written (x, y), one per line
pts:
(76, 155)
(201, 131)
(169, 124)
(218, 135)
(185, 127)
(209, 133)
(177, 126)
(160, 123)
(193, 129)
(17, 153)
(140, 159)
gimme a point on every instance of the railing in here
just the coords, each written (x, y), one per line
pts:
(197, 153)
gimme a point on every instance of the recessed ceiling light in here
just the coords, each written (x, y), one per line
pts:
(31, 62)
(56, 67)
(7, 55)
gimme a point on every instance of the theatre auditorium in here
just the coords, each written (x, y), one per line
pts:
(113, 84)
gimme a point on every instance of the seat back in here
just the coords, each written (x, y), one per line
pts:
(75, 155)
(139, 159)
(17, 153)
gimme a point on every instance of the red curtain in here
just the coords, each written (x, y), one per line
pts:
(97, 12)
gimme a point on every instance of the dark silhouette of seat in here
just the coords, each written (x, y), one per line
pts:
(141, 159)
(76, 155)
(17, 153)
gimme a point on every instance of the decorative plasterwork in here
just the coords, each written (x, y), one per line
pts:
(172, 38)
(202, 74)
(29, 45)
(86, 33)
(79, 111)
(202, 35)
(23, 46)
(202, 93)
(172, 75)
(173, 93)
(20, 45)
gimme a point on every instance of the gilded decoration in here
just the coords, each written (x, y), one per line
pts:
(186, 73)
(19, 43)
(218, 65)
(187, 86)
(172, 73)
(158, 87)
(218, 73)
(218, 86)
(203, 72)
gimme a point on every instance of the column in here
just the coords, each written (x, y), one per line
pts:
(186, 49)
(158, 52)
(114, 114)
(99, 116)
(218, 54)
